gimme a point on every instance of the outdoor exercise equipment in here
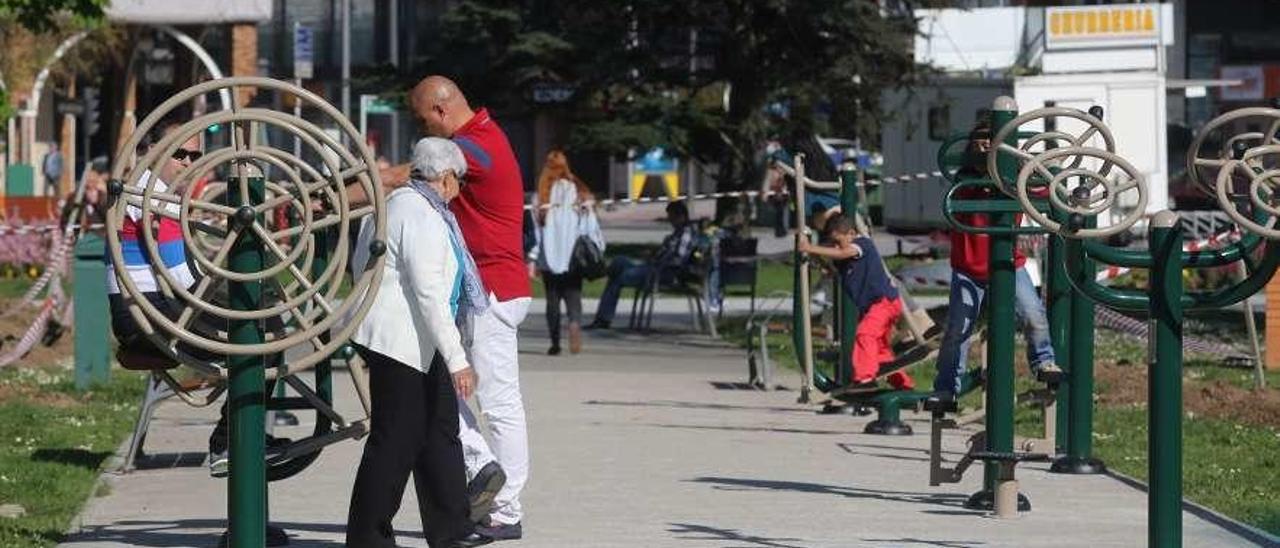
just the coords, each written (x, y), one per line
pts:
(269, 287)
(1245, 187)
(1031, 143)
(887, 402)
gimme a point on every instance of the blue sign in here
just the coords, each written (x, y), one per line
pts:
(655, 161)
(303, 50)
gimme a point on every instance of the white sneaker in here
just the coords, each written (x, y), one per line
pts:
(220, 464)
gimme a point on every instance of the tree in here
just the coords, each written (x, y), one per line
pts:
(31, 29)
(695, 76)
(39, 16)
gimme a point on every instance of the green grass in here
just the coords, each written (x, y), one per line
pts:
(1231, 468)
(13, 288)
(53, 444)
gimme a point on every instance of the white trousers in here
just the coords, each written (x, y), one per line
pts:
(493, 351)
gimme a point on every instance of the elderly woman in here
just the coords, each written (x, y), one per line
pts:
(416, 360)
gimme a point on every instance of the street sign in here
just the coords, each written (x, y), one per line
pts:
(303, 49)
(373, 104)
(552, 92)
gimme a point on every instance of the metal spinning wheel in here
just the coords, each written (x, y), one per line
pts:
(1039, 143)
(1259, 167)
(298, 308)
(1081, 192)
(1218, 143)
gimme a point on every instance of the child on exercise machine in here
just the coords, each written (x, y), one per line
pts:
(866, 284)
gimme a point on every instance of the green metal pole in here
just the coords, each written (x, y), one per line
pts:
(797, 314)
(1079, 457)
(247, 491)
(1060, 296)
(999, 300)
(91, 312)
(848, 310)
(1164, 413)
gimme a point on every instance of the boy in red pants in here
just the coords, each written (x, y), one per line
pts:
(866, 284)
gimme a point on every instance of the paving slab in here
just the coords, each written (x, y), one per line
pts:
(648, 440)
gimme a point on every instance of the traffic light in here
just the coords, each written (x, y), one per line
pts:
(92, 102)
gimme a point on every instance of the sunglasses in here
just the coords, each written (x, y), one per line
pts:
(183, 154)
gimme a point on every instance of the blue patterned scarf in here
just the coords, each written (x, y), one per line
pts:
(475, 299)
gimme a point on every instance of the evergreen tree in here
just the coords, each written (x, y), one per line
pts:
(695, 76)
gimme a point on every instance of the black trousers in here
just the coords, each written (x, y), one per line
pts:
(566, 287)
(414, 429)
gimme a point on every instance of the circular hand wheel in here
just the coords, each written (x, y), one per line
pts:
(1093, 192)
(299, 305)
(1043, 142)
(1216, 144)
(1263, 191)
(951, 156)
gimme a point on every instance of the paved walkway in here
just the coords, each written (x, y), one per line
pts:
(645, 441)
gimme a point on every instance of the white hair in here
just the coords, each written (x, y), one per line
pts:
(433, 156)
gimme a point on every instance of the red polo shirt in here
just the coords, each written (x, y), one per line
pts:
(490, 208)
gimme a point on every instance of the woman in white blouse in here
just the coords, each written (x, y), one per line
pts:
(411, 343)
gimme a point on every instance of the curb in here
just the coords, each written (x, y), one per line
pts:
(1243, 530)
(110, 467)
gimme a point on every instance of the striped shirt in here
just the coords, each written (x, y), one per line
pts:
(677, 247)
(169, 244)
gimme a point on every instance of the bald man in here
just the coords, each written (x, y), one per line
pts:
(490, 213)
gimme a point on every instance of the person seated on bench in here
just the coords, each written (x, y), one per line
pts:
(865, 282)
(970, 255)
(173, 254)
(672, 256)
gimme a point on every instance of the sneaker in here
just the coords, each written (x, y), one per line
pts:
(482, 489)
(575, 338)
(220, 461)
(554, 350)
(941, 401)
(1049, 373)
(942, 396)
(501, 531)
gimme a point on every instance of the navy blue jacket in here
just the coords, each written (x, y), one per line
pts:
(864, 279)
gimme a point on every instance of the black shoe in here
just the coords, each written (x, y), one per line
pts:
(598, 324)
(554, 350)
(483, 488)
(473, 539)
(1050, 374)
(941, 401)
(501, 531)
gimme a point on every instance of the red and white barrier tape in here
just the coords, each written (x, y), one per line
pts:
(897, 179)
(1230, 236)
(32, 335)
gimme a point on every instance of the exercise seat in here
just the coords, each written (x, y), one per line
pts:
(135, 360)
